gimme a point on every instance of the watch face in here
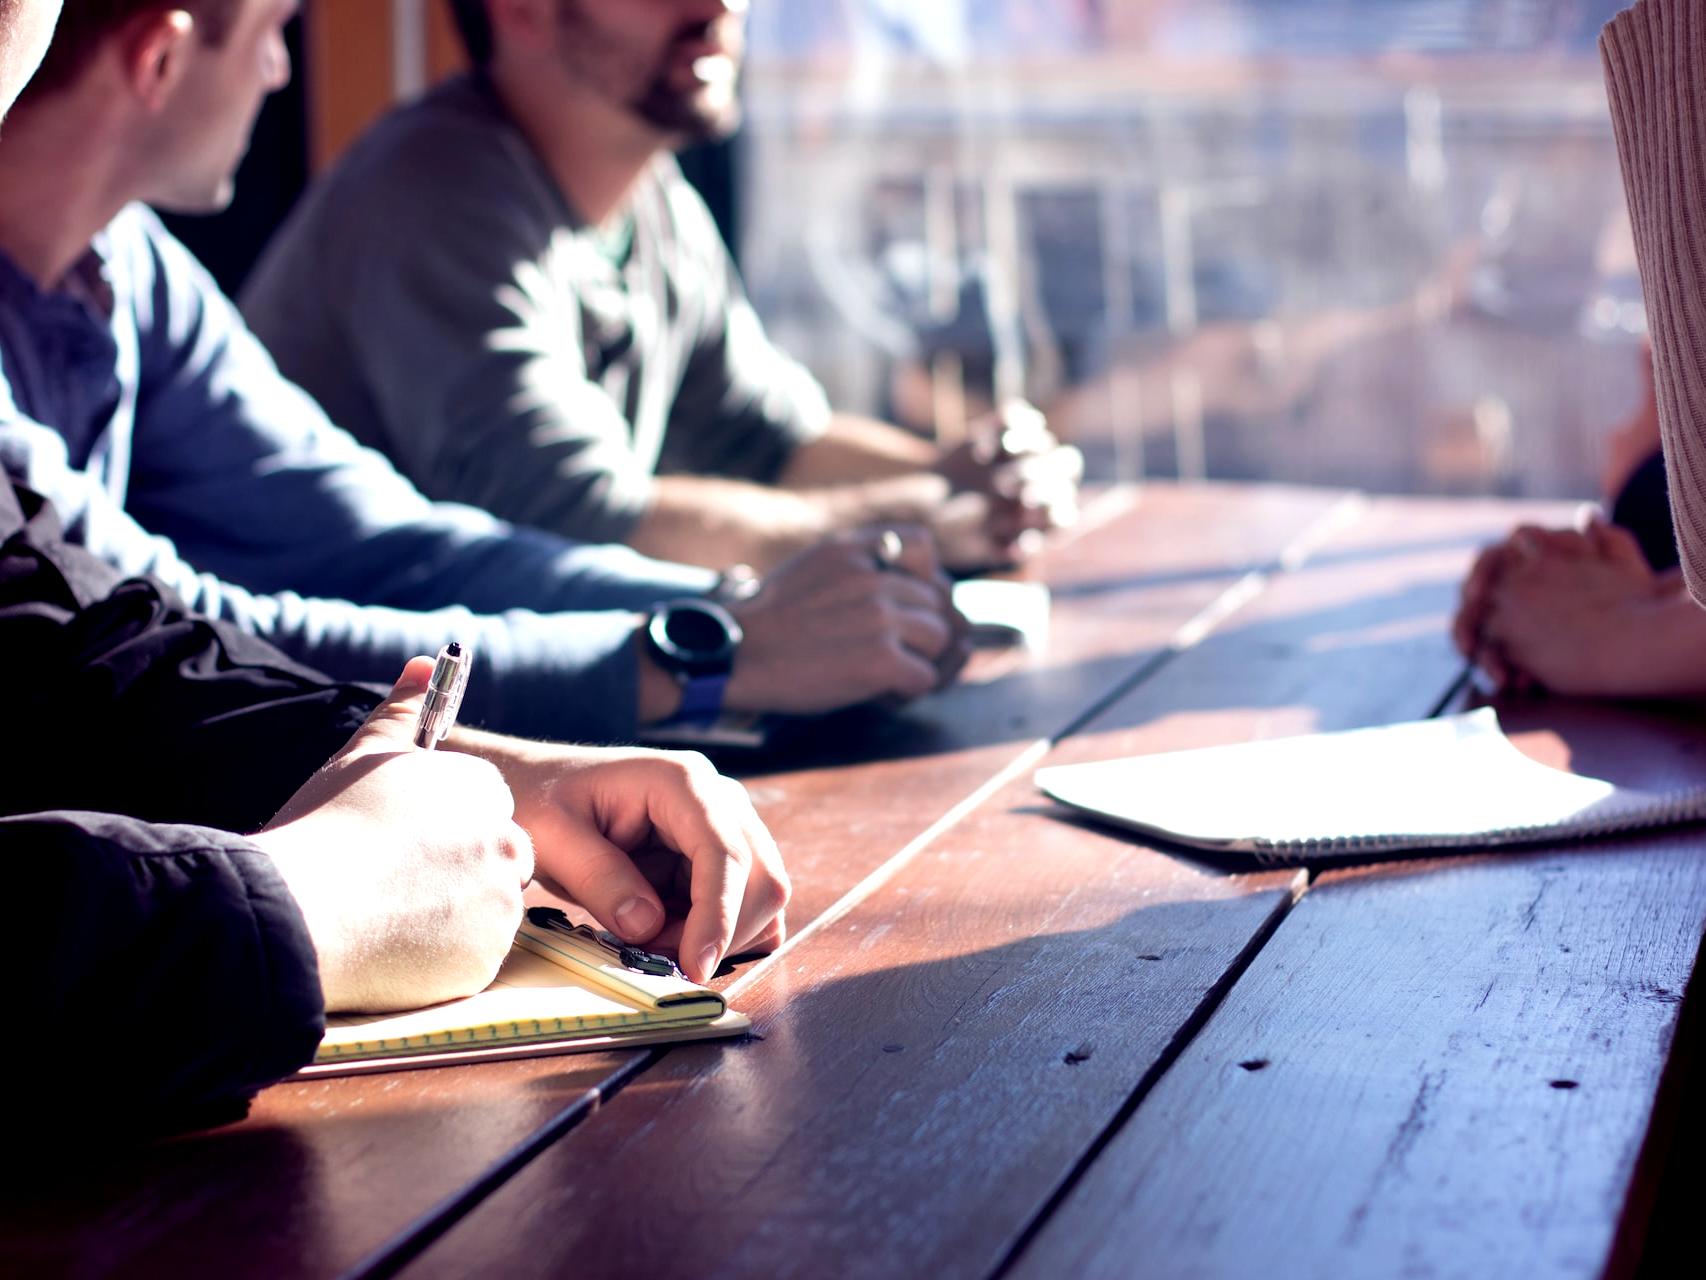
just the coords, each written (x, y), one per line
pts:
(695, 631)
(695, 636)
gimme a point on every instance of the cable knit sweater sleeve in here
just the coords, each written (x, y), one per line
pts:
(1655, 73)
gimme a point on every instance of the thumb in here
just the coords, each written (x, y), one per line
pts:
(392, 724)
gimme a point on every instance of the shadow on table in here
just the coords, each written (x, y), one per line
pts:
(1654, 745)
(320, 1175)
(1328, 649)
(317, 1190)
(107, 1213)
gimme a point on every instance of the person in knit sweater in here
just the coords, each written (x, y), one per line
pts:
(1655, 74)
(1587, 611)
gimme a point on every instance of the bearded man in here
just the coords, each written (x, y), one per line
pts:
(509, 288)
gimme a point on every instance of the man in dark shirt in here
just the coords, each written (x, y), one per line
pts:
(509, 289)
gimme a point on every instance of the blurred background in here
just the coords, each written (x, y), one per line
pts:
(1368, 242)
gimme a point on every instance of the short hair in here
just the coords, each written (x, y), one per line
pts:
(84, 24)
(474, 25)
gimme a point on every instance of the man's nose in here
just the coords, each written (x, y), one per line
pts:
(711, 10)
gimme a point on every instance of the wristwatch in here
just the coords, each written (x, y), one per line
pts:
(696, 642)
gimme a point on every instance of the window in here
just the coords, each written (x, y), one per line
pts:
(1367, 242)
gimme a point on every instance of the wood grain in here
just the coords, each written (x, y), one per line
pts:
(1434, 1068)
(937, 1060)
(324, 1174)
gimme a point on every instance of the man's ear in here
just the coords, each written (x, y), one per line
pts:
(154, 49)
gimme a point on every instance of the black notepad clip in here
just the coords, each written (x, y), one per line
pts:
(635, 958)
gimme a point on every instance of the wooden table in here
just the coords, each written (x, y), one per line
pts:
(1004, 1043)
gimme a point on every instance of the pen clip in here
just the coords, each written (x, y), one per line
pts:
(629, 957)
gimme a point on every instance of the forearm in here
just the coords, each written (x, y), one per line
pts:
(1667, 650)
(270, 498)
(566, 676)
(556, 674)
(403, 552)
(648, 695)
(719, 523)
(856, 449)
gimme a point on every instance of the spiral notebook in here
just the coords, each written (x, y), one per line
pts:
(562, 989)
(1453, 783)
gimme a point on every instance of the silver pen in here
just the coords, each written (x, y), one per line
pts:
(444, 695)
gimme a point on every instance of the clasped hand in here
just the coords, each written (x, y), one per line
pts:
(1012, 481)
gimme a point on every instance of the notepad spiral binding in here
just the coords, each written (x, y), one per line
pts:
(1651, 810)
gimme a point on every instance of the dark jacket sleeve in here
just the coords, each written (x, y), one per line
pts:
(169, 972)
(159, 973)
(118, 699)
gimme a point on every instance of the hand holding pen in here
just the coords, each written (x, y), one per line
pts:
(407, 865)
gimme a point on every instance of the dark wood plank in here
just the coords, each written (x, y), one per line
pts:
(938, 1058)
(1437, 1068)
(323, 1174)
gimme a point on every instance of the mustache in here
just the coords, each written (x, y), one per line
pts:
(727, 33)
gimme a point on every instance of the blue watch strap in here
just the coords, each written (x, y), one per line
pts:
(701, 699)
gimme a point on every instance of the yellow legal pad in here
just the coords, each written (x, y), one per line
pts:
(562, 989)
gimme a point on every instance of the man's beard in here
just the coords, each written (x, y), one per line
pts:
(685, 116)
